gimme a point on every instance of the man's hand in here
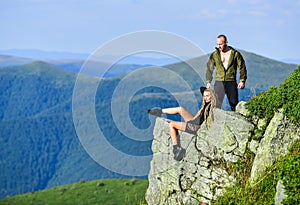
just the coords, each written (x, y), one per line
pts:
(241, 85)
(208, 86)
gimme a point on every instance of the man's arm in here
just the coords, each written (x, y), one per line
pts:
(209, 71)
(242, 69)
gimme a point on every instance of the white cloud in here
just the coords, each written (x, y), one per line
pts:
(280, 22)
(214, 13)
(207, 13)
(223, 11)
(232, 1)
(257, 13)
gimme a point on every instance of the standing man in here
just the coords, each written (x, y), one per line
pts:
(226, 60)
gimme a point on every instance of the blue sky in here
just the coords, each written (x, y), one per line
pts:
(266, 27)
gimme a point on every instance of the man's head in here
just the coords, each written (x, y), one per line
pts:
(222, 42)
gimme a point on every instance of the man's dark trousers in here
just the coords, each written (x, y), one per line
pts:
(228, 88)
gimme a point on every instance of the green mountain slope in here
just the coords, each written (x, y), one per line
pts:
(102, 192)
(39, 144)
(32, 88)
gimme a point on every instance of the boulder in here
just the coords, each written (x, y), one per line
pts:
(201, 176)
(280, 134)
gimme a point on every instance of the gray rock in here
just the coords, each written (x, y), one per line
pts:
(199, 176)
(241, 108)
(280, 195)
(279, 135)
(254, 144)
(202, 175)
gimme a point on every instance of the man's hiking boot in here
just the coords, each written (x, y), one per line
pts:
(178, 152)
(156, 112)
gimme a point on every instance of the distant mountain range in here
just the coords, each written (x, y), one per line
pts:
(292, 60)
(48, 56)
(39, 146)
(157, 60)
(44, 55)
(74, 61)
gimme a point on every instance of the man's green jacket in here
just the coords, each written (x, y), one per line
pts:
(235, 61)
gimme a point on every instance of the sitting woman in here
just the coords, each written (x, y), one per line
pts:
(191, 123)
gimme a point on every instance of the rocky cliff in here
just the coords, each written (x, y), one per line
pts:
(203, 174)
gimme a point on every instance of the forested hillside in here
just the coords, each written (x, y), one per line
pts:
(39, 145)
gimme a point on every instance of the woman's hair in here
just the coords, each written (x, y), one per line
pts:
(208, 110)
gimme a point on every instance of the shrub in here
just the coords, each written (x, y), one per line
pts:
(286, 96)
(288, 171)
(263, 191)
